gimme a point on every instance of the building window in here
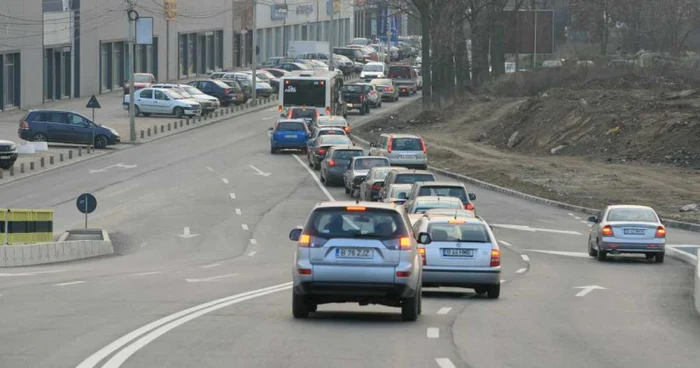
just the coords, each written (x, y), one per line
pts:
(182, 60)
(118, 64)
(10, 77)
(191, 54)
(277, 43)
(219, 40)
(304, 32)
(106, 69)
(211, 53)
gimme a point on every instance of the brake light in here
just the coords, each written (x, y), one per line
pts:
(405, 243)
(660, 232)
(469, 206)
(362, 97)
(389, 89)
(304, 240)
(607, 231)
(403, 273)
(304, 271)
(24, 125)
(355, 208)
(421, 251)
(328, 110)
(347, 129)
(376, 187)
(225, 91)
(331, 162)
(280, 109)
(495, 258)
(422, 144)
(390, 145)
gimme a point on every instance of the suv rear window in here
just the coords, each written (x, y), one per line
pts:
(368, 163)
(410, 178)
(352, 88)
(372, 223)
(444, 191)
(291, 126)
(400, 72)
(406, 144)
(473, 233)
(347, 154)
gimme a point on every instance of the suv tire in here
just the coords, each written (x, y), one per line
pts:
(300, 306)
(410, 307)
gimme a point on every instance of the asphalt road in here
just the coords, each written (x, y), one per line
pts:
(220, 296)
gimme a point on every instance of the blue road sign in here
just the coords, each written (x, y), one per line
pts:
(86, 203)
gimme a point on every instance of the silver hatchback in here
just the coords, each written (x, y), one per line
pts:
(357, 252)
(402, 150)
(627, 229)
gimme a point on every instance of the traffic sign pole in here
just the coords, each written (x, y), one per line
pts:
(86, 213)
(86, 203)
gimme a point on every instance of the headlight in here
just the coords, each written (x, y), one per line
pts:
(13, 147)
(114, 132)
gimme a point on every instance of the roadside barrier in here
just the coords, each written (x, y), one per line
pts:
(24, 226)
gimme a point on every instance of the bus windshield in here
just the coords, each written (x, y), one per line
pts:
(307, 92)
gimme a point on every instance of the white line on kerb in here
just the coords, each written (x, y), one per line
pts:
(444, 363)
(252, 253)
(502, 281)
(210, 169)
(571, 214)
(433, 333)
(233, 195)
(444, 310)
(525, 257)
(253, 241)
(576, 217)
(313, 175)
(224, 180)
(505, 243)
(521, 270)
(238, 211)
(153, 330)
(245, 227)
(147, 273)
(211, 265)
(71, 283)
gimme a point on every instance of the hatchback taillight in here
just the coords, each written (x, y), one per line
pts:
(331, 162)
(607, 231)
(495, 258)
(321, 151)
(469, 206)
(422, 255)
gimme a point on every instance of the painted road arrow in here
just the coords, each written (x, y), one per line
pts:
(210, 279)
(120, 165)
(259, 172)
(588, 289)
(535, 229)
(186, 233)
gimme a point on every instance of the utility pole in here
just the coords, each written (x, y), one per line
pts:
(72, 52)
(132, 16)
(255, 51)
(389, 24)
(284, 30)
(330, 37)
(534, 29)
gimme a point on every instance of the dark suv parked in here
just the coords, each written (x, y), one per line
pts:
(218, 89)
(65, 127)
(8, 154)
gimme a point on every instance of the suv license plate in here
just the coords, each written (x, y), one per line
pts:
(360, 253)
(458, 252)
(634, 231)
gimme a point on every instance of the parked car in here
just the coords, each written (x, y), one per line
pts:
(264, 83)
(242, 86)
(54, 126)
(141, 80)
(278, 73)
(8, 154)
(318, 132)
(222, 91)
(351, 53)
(293, 66)
(345, 64)
(289, 134)
(269, 78)
(336, 161)
(405, 78)
(402, 150)
(386, 88)
(272, 62)
(209, 103)
(262, 88)
(162, 101)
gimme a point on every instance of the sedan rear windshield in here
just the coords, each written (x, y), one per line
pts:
(371, 223)
(421, 207)
(352, 88)
(444, 191)
(332, 122)
(334, 139)
(406, 144)
(368, 163)
(347, 154)
(291, 126)
(472, 233)
(410, 178)
(632, 214)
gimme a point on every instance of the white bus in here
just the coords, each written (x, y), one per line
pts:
(320, 90)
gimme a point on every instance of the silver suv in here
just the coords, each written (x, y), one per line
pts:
(357, 252)
(402, 150)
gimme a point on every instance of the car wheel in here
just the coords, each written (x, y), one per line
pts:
(650, 256)
(494, 291)
(410, 307)
(591, 252)
(6, 165)
(178, 112)
(300, 306)
(602, 255)
(100, 142)
(137, 111)
(40, 137)
(380, 104)
(420, 301)
(481, 290)
(660, 257)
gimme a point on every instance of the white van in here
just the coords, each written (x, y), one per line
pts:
(374, 70)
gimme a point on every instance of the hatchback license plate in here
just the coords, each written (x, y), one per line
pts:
(411, 157)
(458, 252)
(354, 253)
(290, 136)
(634, 231)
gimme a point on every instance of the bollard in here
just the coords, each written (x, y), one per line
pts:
(168, 126)
(187, 122)
(162, 128)
(21, 168)
(60, 157)
(41, 162)
(31, 166)
(142, 133)
(148, 132)
(199, 120)
(12, 170)
(70, 154)
(50, 160)
(181, 123)
(80, 151)
(1, 173)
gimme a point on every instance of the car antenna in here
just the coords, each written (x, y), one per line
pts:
(455, 214)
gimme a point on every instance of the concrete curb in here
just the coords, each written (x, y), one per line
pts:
(696, 282)
(36, 254)
(569, 207)
(51, 163)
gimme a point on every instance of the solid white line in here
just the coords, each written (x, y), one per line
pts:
(502, 281)
(433, 333)
(210, 169)
(525, 257)
(521, 270)
(560, 253)
(224, 180)
(268, 118)
(233, 195)
(316, 179)
(164, 325)
(212, 278)
(28, 273)
(147, 273)
(245, 227)
(444, 363)
(505, 243)
(444, 310)
(212, 265)
(238, 211)
(252, 253)
(71, 283)
(253, 241)
(584, 222)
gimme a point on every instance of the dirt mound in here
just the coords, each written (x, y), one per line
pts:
(634, 81)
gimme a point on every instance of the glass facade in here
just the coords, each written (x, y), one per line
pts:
(200, 53)
(114, 63)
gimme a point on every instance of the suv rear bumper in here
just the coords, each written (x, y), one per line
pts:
(351, 292)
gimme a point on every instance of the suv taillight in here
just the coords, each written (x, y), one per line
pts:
(376, 187)
(607, 231)
(226, 91)
(422, 255)
(495, 258)
(469, 206)
(423, 145)
(321, 151)
(308, 241)
(390, 145)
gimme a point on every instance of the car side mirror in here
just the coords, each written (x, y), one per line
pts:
(295, 234)
(472, 196)
(270, 128)
(592, 219)
(424, 238)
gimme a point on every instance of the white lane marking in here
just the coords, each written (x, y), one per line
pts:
(233, 195)
(245, 227)
(535, 229)
(433, 333)
(165, 324)
(560, 253)
(147, 273)
(210, 169)
(576, 217)
(211, 265)
(238, 211)
(215, 278)
(570, 214)
(444, 310)
(444, 363)
(29, 273)
(252, 253)
(120, 165)
(521, 270)
(505, 243)
(224, 180)
(525, 257)
(316, 179)
(253, 241)
(502, 281)
(186, 233)
(585, 222)
(268, 118)
(587, 289)
(259, 172)
(70, 283)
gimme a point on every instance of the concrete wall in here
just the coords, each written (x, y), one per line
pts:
(35, 254)
(696, 281)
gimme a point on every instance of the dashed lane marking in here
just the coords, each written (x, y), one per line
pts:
(233, 195)
(252, 253)
(147, 273)
(433, 333)
(253, 241)
(444, 310)
(224, 180)
(521, 270)
(238, 211)
(70, 283)
(525, 257)
(505, 243)
(212, 265)
(210, 169)
(245, 227)
(444, 363)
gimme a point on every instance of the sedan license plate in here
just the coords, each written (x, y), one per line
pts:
(450, 252)
(410, 157)
(634, 231)
(360, 253)
(6, 156)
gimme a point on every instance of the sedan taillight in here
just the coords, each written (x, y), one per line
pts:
(660, 232)
(607, 231)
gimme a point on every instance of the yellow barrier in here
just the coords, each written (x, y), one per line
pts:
(24, 226)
